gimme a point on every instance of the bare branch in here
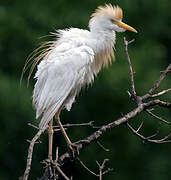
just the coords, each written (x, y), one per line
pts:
(37, 142)
(133, 92)
(158, 82)
(148, 139)
(157, 117)
(56, 128)
(32, 125)
(101, 168)
(57, 154)
(131, 41)
(153, 135)
(30, 152)
(97, 134)
(140, 126)
(102, 146)
(161, 93)
(162, 76)
(87, 167)
(60, 171)
(157, 102)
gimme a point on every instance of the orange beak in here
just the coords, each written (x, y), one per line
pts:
(125, 26)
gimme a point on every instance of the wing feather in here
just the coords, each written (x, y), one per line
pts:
(57, 77)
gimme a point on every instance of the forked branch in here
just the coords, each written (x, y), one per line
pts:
(151, 137)
(101, 167)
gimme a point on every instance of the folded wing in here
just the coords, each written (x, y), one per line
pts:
(59, 77)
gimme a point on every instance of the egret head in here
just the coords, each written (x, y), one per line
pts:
(109, 17)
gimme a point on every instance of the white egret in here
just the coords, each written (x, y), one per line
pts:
(72, 61)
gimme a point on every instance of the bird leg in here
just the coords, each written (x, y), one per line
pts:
(50, 139)
(73, 147)
(62, 128)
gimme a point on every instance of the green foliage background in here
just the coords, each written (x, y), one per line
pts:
(21, 25)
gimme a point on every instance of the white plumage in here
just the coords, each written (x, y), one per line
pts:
(73, 60)
(60, 79)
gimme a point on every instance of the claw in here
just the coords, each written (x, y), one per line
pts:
(74, 148)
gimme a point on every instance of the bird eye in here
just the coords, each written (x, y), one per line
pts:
(114, 21)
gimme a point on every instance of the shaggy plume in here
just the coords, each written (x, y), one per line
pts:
(115, 12)
(37, 55)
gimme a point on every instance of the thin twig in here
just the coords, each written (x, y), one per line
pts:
(32, 125)
(140, 126)
(161, 93)
(133, 92)
(87, 168)
(158, 82)
(148, 139)
(157, 102)
(105, 149)
(57, 154)
(37, 142)
(157, 117)
(75, 125)
(60, 171)
(30, 152)
(106, 171)
(162, 76)
(101, 168)
(56, 128)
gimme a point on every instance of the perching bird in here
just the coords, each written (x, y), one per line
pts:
(71, 62)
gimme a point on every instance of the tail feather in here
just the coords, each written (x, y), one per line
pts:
(48, 115)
